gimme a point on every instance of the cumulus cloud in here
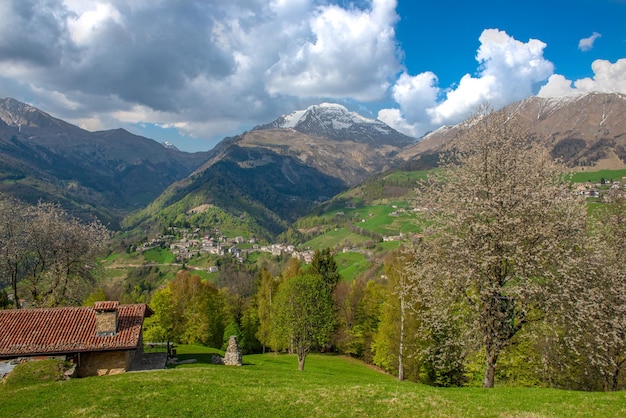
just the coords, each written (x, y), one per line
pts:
(210, 69)
(85, 28)
(586, 44)
(204, 67)
(508, 70)
(415, 95)
(556, 86)
(608, 78)
(348, 53)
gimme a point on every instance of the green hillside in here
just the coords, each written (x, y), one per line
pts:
(269, 385)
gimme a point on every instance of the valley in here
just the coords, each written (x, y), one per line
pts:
(312, 197)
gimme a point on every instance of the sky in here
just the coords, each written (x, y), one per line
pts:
(195, 72)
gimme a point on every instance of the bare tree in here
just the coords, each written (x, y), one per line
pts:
(12, 243)
(504, 232)
(48, 252)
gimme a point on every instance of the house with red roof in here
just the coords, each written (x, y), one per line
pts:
(101, 340)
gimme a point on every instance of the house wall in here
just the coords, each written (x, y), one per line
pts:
(104, 363)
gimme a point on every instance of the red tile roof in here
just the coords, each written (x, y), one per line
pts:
(28, 332)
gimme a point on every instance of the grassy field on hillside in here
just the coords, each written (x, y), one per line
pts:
(351, 264)
(270, 385)
(597, 176)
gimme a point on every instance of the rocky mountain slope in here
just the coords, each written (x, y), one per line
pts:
(281, 170)
(270, 176)
(586, 130)
(105, 174)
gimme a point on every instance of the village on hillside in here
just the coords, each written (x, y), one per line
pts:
(186, 243)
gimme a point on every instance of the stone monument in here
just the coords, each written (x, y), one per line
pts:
(232, 357)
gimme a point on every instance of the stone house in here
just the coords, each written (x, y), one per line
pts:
(100, 340)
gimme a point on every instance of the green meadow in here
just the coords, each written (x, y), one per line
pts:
(597, 176)
(269, 385)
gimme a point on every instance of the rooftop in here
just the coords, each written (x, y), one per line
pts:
(29, 332)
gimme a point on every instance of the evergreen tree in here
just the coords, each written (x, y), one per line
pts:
(323, 264)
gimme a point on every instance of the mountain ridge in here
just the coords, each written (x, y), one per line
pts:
(272, 174)
(104, 174)
(581, 130)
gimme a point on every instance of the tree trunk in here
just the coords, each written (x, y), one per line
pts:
(301, 358)
(615, 378)
(401, 346)
(490, 367)
(16, 299)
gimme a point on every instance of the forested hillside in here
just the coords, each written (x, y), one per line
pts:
(483, 286)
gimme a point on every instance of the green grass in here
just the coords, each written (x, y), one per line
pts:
(351, 264)
(334, 238)
(270, 385)
(409, 176)
(596, 176)
(159, 255)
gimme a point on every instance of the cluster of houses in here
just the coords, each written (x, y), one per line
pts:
(596, 189)
(187, 244)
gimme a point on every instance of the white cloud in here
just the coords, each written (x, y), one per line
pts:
(395, 119)
(414, 94)
(84, 28)
(206, 68)
(508, 70)
(347, 53)
(608, 78)
(213, 68)
(586, 44)
(556, 86)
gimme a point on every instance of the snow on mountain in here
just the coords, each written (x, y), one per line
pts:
(331, 120)
(168, 144)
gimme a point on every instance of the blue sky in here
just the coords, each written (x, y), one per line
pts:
(196, 72)
(442, 36)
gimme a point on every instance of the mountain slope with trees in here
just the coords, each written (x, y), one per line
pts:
(275, 174)
(102, 174)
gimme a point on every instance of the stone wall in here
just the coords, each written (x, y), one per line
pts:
(104, 363)
(106, 323)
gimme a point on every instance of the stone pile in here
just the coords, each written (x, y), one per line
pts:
(232, 357)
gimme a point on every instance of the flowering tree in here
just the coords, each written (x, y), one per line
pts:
(505, 232)
(49, 252)
(602, 345)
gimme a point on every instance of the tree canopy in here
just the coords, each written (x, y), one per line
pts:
(505, 233)
(48, 253)
(304, 313)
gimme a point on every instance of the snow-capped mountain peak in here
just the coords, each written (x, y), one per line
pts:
(332, 120)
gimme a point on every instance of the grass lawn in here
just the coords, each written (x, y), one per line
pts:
(159, 255)
(270, 385)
